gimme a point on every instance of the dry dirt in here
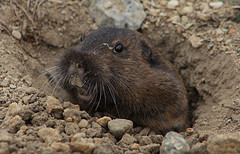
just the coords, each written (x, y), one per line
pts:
(210, 70)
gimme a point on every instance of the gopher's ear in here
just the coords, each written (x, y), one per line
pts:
(147, 52)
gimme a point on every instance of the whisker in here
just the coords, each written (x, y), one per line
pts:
(100, 96)
(113, 98)
(56, 86)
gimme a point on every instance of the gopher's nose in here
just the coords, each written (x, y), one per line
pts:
(76, 76)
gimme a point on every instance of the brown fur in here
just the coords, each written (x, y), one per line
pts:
(147, 88)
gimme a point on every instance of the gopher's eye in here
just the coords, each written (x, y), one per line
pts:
(82, 38)
(118, 48)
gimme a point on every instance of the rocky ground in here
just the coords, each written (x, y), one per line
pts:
(201, 38)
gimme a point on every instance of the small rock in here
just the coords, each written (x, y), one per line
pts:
(5, 82)
(14, 109)
(172, 4)
(108, 148)
(26, 99)
(216, 5)
(199, 148)
(54, 107)
(236, 101)
(85, 115)
(156, 139)
(49, 135)
(238, 50)
(151, 148)
(70, 106)
(26, 113)
(118, 127)
(224, 143)
(5, 136)
(83, 123)
(16, 34)
(126, 140)
(61, 147)
(135, 146)
(13, 124)
(228, 41)
(22, 130)
(4, 148)
(3, 99)
(185, 10)
(30, 90)
(115, 13)
(28, 80)
(103, 121)
(195, 41)
(71, 128)
(78, 144)
(144, 140)
(74, 114)
(204, 16)
(175, 18)
(174, 143)
(205, 7)
(12, 86)
(184, 20)
(95, 131)
(163, 3)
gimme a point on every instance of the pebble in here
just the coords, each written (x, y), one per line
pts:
(28, 80)
(203, 16)
(14, 109)
(107, 148)
(54, 106)
(144, 140)
(135, 146)
(172, 4)
(5, 82)
(83, 123)
(238, 50)
(29, 90)
(126, 140)
(236, 101)
(123, 14)
(174, 143)
(12, 86)
(118, 127)
(185, 10)
(205, 8)
(5, 136)
(71, 128)
(228, 41)
(216, 5)
(49, 135)
(224, 143)
(184, 20)
(163, 3)
(95, 131)
(14, 124)
(156, 139)
(103, 121)
(74, 114)
(175, 18)
(78, 144)
(199, 148)
(16, 34)
(61, 147)
(151, 148)
(3, 99)
(195, 41)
